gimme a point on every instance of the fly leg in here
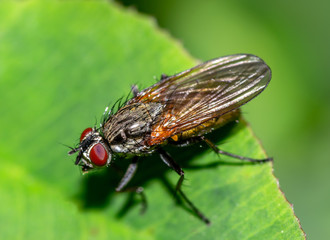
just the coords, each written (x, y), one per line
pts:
(168, 160)
(193, 140)
(217, 150)
(128, 175)
(127, 178)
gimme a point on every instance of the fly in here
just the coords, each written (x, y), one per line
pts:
(177, 110)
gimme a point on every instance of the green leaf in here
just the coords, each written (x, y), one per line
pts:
(62, 63)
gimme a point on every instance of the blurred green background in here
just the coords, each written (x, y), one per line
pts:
(291, 117)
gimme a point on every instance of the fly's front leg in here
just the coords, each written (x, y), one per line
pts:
(127, 178)
(217, 150)
(128, 175)
(168, 160)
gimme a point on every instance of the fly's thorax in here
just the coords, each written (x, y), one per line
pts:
(127, 130)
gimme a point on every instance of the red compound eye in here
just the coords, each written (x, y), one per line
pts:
(85, 133)
(98, 155)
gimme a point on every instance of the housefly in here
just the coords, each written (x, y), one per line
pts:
(177, 110)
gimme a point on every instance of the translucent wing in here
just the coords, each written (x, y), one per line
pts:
(206, 91)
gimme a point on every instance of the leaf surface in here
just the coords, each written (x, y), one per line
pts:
(62, 63)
